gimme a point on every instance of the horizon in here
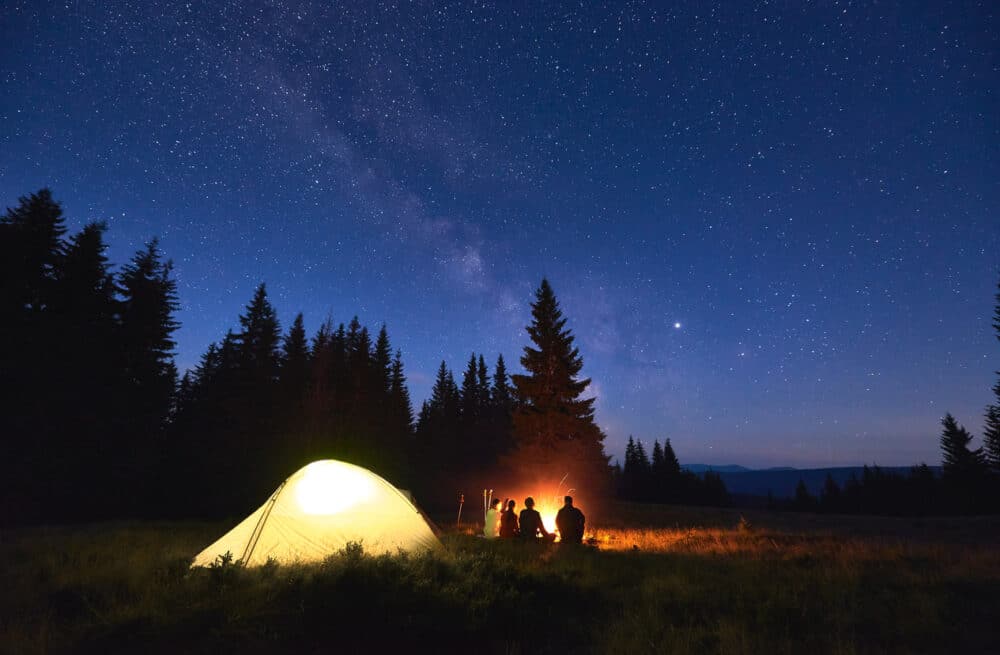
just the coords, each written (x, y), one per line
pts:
(773, 232)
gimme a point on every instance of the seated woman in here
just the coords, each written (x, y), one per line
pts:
(491, 530)
(508, 522)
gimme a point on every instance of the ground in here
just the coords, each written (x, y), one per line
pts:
(661, 579)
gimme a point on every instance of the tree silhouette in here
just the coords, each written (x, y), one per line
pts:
(958, 459)
(991, 430)
(149, 301)
(991, 437)
(554, 424)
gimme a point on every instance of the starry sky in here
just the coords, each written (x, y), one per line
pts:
(773, 227)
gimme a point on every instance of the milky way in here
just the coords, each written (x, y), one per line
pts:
(773, 227)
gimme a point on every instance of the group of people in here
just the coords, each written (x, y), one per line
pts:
(507, 524)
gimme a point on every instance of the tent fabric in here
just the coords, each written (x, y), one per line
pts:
(317, 511)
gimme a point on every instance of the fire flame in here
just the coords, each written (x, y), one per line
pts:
(547, 504)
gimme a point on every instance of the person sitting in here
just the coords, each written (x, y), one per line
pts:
(570, 522)
(491, 529)
(508, 522)
(531, 521)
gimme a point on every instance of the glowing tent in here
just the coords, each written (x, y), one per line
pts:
(317, 511)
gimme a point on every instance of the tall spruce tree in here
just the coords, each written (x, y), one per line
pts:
(149, 301)
(483, 384)
(382, 363)
(259, 341)
(501, 410)
(554, 424)
(470, 395)
(671, 465)
(295, 359)
(293, 383)
(656, 473)
(84, 304)
(439, 428)
(399, 400)
(31, 252)
(85, 389)
(501, 394)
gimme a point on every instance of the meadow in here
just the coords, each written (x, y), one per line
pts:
(659, 580)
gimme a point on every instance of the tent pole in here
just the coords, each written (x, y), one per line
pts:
(255, 535)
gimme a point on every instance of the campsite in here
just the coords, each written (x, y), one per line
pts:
(499, 327)
(662, 579)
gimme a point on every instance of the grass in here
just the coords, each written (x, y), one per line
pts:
(673, 580)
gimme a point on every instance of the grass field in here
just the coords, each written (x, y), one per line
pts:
(661, 579)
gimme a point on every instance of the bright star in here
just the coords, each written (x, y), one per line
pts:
(677, 326)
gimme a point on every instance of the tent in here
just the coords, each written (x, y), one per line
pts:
(317, 511)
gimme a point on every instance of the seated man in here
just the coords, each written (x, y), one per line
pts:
(570, 522)
(531, 521)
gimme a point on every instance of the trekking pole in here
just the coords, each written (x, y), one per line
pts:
(461, 501)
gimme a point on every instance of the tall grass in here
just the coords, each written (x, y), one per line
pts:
(682, 589)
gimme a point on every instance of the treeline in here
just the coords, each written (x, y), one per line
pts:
(660, 479)
(969, 483)
(96, 424)
(262, 403)
(87, 376)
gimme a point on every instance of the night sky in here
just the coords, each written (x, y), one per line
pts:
(774, 229)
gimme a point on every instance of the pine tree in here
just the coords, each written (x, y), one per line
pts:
(439, 427)
(293, 383)
(149, 300)
(88, 428)
(991, 437)
(31, 252)
(259, 340)
(399, 398)
(501, 409)
(483, 384)
(85, 290)
(501, 393)
(991, 430)
(957, 459)
(656, 473)
(671, 465)
(84, 304)
(295, 360)
(382, 363)
(553, 424)
(470, 398)
(667, 478)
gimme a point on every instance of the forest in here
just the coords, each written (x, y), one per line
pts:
(98, 423)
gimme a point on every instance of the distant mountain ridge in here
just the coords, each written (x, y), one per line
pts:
(725, 468)
(781, 481)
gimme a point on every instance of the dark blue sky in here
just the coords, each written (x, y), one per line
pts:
(809, 189)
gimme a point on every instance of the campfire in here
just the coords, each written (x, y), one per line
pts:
(547, 502)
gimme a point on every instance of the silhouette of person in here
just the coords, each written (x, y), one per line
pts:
(508, 521)
(570, 522)
(491, 530)
(531, 521)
